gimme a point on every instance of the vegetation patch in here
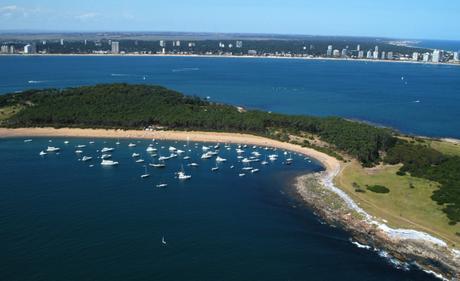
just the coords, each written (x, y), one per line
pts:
(378, 189)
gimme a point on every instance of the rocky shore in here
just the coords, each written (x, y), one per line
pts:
(427, 253)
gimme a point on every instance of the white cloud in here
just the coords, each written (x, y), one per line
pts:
(87, 16)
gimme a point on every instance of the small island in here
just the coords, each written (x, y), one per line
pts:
(390, 191)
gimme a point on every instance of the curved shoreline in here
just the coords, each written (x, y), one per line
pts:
(364, 226)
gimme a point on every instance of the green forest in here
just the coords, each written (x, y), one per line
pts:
(139, 106)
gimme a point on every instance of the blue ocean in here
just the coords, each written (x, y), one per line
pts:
(66, 219)
(413, 98)
(62, 218)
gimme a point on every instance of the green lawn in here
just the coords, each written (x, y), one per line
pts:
(407, 205)
(7, 112)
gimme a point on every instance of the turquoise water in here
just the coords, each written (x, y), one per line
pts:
(417, 99)
(61, 219)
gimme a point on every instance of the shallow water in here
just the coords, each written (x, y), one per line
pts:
(63, 220)
(414, 98)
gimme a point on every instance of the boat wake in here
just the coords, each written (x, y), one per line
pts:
(37, 81)
(185, 69)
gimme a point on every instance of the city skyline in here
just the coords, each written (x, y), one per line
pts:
(406, 20)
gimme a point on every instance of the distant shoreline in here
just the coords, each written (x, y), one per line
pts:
(227, 56)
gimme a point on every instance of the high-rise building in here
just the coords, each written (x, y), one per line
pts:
(369, 54)
(162, 43)
(12, 49)
(376, 48)
(221, 45)
(360, 54)
(415, 56)
(62, 42)
(384, 55)
(436, 57)
(358, 48)
(344, 53)
(336, 53)
(4, 49)
(115, 47)
(329, 51)
(239, 44)
(390, 55)
(29, 49)
(456, 57)
(191, 44)
(376, 54)
(426, 57)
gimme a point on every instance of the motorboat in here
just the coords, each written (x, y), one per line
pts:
(109, 163)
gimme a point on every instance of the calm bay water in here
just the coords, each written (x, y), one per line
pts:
(418, 99)
(63, 220)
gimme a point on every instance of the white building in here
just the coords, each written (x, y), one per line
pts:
(436, 57)
(426, 57)
(336, 53)
(376, 54)
(162, 43)
(415, 56)
(115, 47)
(456, 57)
(329, 51)
(4, 49)
(29, 49)
(239, 44)
(62, 42)
(358, 48)
(369, 54)
(390, 55)
(360, 54)
(344, 53)
(384, 56)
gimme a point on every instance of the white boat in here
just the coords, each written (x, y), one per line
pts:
(246, 160)
(131, 144)
(172, 155)
(231, 167)
(134, 155)
(193, 164)
(66, 142)
(254, 171)
(256, 153)
(182, 176)
(78, 151)
(239, 151)
(241, 174)
(180, 151)
(28, 140)
(105, 156)
(145, 175)
(186, 157)
(205, 148)
(162, 185)
(107, 149)
(240, 157)
(220, 159)
(86, 158)
(172, 148)
(206, 155)
(81, 146)
(140, 161)
(109, 163)
(163, 241)
(213, 152)
(163, 158)
(52, 149)
(151, 149)
(157, 165)
(91, 142)
(264, 162)
(213, 169)
(247, 168)
(42, 153)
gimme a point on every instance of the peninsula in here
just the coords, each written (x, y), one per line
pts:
(390, 191)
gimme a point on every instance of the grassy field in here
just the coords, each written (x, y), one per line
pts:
(7, 112)
(447, 147)
(407, 205)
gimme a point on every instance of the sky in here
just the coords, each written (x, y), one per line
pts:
(407, 19)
